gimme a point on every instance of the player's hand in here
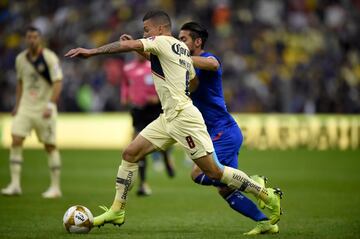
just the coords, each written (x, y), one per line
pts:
(14, 111)
(124, 102)
(126, 37)
(79, 52)
(153, 100)
(49, 110)
(47, 113)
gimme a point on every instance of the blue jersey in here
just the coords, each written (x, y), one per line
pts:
(209, 99)
(223, 130)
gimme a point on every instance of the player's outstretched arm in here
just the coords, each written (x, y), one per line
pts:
(111, 48)
(205, 63)
(127, 37)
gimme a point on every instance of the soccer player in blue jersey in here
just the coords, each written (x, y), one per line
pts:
(223, 130)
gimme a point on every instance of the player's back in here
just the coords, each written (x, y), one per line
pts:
(209, 99)
(172, 69)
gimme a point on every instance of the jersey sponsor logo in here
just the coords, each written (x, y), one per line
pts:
(41, 67)
(179, 50)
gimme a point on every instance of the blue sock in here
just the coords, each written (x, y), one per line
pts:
(245, 206)
(205, 180)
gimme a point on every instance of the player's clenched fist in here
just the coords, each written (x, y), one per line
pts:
(126, 37)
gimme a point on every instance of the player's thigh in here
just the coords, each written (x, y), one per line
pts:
(189, 130)
(21, 127)
(228, 155)
(227, 146)
(156, 133)
(45, 129)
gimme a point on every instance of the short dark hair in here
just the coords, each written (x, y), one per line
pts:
(159, 16)
(33, 29)
(196, 31)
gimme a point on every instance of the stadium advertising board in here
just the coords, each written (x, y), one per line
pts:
(262, 132)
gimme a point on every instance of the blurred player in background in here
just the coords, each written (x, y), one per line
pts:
(138, 91)
(224, 131)
(173, 72)
(37, 91)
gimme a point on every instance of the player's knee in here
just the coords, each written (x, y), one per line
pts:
(17, 141)
(49, 148)
(130, 155)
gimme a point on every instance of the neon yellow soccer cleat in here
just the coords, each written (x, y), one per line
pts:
(273, 204)
(109, 216)
(263, 227)
(262, 180)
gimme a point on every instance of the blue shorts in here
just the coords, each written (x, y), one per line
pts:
(227, 145)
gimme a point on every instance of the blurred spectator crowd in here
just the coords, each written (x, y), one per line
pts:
(295, 56)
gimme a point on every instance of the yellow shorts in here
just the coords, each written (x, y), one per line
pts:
(45, 129)
(187, 128)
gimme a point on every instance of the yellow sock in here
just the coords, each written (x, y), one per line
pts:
(237, 179)
(15, 165)
(126, 176)
(117, 205)
(55, 168)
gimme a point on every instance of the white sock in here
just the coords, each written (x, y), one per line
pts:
(239, 180)
(126, 176)
(54, 161)
(15, 161)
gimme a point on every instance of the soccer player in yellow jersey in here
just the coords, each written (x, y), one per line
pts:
(172, 71)
(39, 83)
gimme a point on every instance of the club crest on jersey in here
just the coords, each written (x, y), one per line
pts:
(41, 67)
(179, 50)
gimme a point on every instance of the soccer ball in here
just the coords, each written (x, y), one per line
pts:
(78, 219)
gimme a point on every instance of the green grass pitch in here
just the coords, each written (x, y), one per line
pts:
(322, 197)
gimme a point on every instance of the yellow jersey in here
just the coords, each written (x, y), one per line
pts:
(172, 69)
